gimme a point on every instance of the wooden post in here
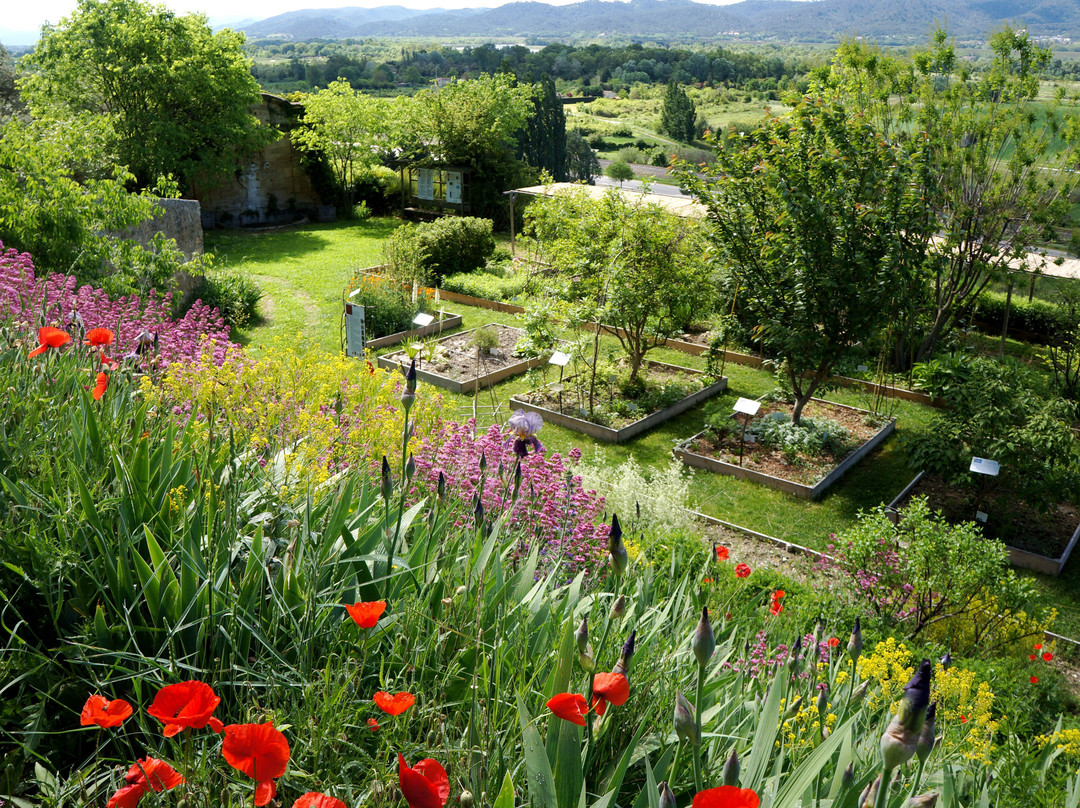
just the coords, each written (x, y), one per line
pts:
(513, 241)
(1005, 323)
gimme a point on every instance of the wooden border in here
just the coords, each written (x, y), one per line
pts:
(787, 486)
(389, 362)
(448, 322)
(609, 435)
(1025, 559)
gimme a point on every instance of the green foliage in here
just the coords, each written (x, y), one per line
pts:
(234, 294)
(539, 321)
(542, 141)
(388, 305)
(678, 114)
(620, 171)
(1000, 410)
(1064, 350)
(172, 96)
(811, 437)
(427, 252)
(487, 285)
(1036, 317)
(816, 214)
(582, 164)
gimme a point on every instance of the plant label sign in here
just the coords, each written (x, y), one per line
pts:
(980, 465)
(559, 358)
(423, 319)
(747, 406)
(862, 368)
(981, 516)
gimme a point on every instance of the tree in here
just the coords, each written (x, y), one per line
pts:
(582, 164)
(10, 103)
(173, 94)
(820, 222)
(542, 141)
(995, 169)
(678, 115)
(620, 171)
(346, 127)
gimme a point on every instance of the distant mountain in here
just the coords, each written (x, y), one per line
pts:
(817, 21)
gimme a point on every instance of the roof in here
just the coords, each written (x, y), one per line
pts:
(680, 206)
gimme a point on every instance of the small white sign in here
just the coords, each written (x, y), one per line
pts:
(559, 358)
(862, 368)
(425, 183)
(557, 388)
(453, 187)
(980, 465)
(751, 439)
(747, 406)
(423, 319)
(982, 516)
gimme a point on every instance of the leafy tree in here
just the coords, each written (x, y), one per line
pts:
(638, 264)
(994, 168)
(678, 115)
(542, 141)
(818, 218)
(347, 128)
(173, 94)
(10, 103)
(582, 164)
(620, 171)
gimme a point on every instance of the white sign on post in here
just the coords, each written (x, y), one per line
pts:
(423, 319)
(862, 368)
(425, 183)
(559, 358)
(982, 516)
(980, 465)
(747, 406)
(453, 187)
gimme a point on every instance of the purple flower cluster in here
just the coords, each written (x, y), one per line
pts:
(54, 299)
(878, 576)
(552, 508)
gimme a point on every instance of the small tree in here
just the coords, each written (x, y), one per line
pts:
(678, 116)
(582, 164)
(816, 216)
(620, 171)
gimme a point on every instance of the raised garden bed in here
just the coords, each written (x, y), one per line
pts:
(771, 469)
(456, 368)
(545, 401)
(445, 321)
(1036, 541)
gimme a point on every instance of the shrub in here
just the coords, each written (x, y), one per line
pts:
(235, 295)
(425, 253)
(489, 286)
(1038, 318)
(389, 306)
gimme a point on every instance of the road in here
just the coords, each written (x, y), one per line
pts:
(635, 185)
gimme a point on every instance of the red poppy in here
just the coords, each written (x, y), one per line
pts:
(313, 799)
(775, 608)
(741, 571)
(394, 705)
(49, 337)
(101, 386)
(727, 797)
(569, 707)
(834, 642)
(259, 751)
(373, 725)
(1038, 646)
(778, 595)
(366, 615)
(99, 710)
(1032, 657)
(727, 615)
(144, 775)
(610, 687)
(1034, 680)
(706, 580)
(98, 337)
(722, 553)
(963, 719)
(1047, 656)
(187, 704)
(425, 785)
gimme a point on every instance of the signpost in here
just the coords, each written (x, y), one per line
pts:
(748, 408)
(986, 469)
(561, 360)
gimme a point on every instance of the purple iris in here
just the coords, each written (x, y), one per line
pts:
(523, 428)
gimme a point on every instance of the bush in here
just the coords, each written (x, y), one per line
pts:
(488, 285)
(1038, 318)
(388, 305)
(425, 253)
(235, 295)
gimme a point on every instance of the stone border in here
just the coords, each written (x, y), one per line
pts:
(787, 486)
(448, 321)
(453, 385)
(1025, 559)
(609, 435)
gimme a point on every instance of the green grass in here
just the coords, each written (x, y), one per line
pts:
(302, 271)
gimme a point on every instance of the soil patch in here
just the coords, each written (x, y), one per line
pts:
(806, 469)
(458, 360)
(1009, 520)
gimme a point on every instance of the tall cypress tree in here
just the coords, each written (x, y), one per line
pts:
(678, 114)
(542, 141)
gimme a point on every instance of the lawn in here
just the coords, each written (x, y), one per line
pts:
(303, 271)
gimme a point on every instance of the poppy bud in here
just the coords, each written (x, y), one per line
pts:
(466, 800)
(616, 548)
(848, 777)
(869, 795)
(441, 488)
(410, 468)
(387, 480)
(618, 608)
(623, 665)
(854, 646)
(731, 769)
(667, 798)
(685, 725)
(925, 744)
(946, 661)
(582, 635)
(928, 800)
(704, 642)
(432, 738)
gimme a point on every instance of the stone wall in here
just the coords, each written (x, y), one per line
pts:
(180, 219)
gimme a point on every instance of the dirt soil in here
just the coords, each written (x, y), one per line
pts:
(459, 361)
(808, 469)
(1010, 520)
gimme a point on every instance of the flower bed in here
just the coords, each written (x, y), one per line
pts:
(563, 410)
(806, 477)
(456, 366)
(445, 321)
(1036, 541)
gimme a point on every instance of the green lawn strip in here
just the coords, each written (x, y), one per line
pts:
(314, 263)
